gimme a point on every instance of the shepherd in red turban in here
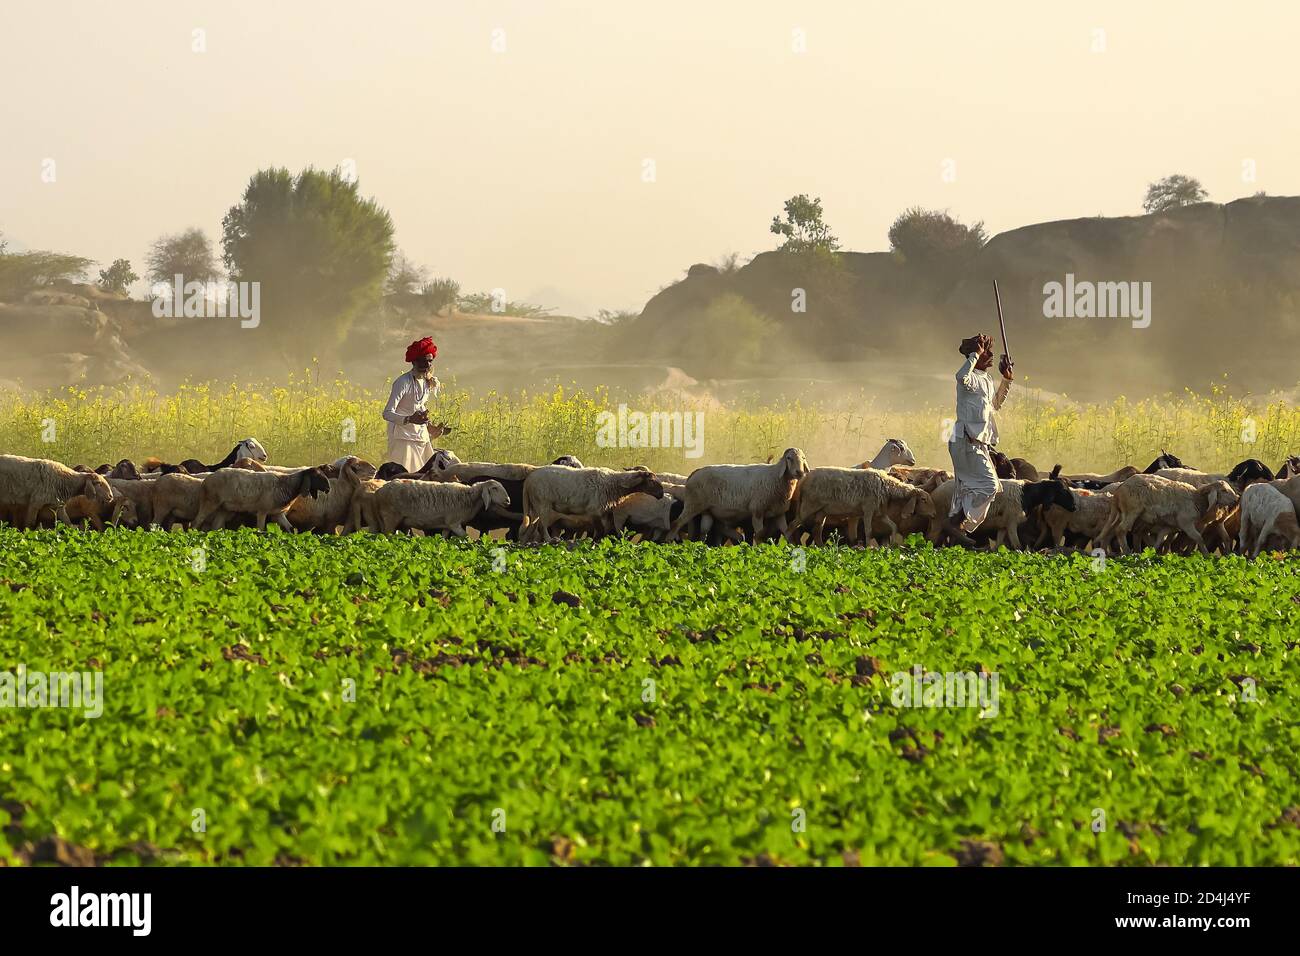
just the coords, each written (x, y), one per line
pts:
(407, 411)
(421, 347)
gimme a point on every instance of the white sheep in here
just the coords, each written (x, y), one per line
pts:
(29, 485)
(1165, 506)
(893, 452)
(1265, 510)
(262, 494)
(553, 491)
(435, 505)
(857, 493)
(733, 494)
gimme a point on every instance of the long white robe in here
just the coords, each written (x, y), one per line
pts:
(975, 431)
(408, 444)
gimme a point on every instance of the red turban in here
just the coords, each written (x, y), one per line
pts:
(424, 346)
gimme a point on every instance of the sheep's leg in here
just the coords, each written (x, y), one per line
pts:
(544, 522)
(758, 521)
(780, 525)
(706, 526)
(851, 530)
(686, 517)
(869, 516)
(33, 512)
(1243, 537)
(1262, 539)
(1188, 528)
(1126, 523)
(282, 520)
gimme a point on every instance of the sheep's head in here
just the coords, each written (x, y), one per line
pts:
(645, 482)
(794, 464)
(104, 470)
(1001, 464)
(1218, 495)
(390, 470)
(172, 470)
(441, 461)
(921, 505)
(494, 494)
(358, 469)
(250, 448)
(124, 469)
(97, 489)
(314, 482)
(568, 461)
(1290, 468)
(192, 466)
(125, 512)
(1248, 472)
(899, 453)
(1046, 493)
(1165, 460)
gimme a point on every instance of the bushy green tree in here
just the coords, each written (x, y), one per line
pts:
(804, 228)
(117, 277)
(931, 237)
(1172, 192)
(187, 254)
(319, 250)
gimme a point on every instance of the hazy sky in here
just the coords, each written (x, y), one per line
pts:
(523, 169)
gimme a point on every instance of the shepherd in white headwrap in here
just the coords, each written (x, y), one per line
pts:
(973, 435)
(407, 411)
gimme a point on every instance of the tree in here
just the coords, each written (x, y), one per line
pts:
(23, 271)
(438, 294)
(404, 276)
(187, 254)
(932, 238)
(1172, 192)
(318, 249)
(117, 277)
(803, 226)
(727, 337)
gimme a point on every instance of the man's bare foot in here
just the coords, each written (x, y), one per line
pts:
(957, 536)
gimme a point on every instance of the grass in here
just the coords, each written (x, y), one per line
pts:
(394, 700)
(308, 421)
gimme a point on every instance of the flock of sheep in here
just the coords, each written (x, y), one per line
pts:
(1168, 506)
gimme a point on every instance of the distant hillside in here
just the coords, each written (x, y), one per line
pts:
(1224, 290)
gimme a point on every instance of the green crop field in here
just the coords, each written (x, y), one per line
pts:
(296, 699)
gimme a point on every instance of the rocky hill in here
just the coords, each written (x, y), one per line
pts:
(1218, 288)
(1219, 285)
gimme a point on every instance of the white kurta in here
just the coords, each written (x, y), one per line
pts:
(975, 431)
(408, 444)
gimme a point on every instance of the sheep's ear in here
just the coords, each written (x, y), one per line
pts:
(486, 494)
(1056, 472)
(909, 509)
